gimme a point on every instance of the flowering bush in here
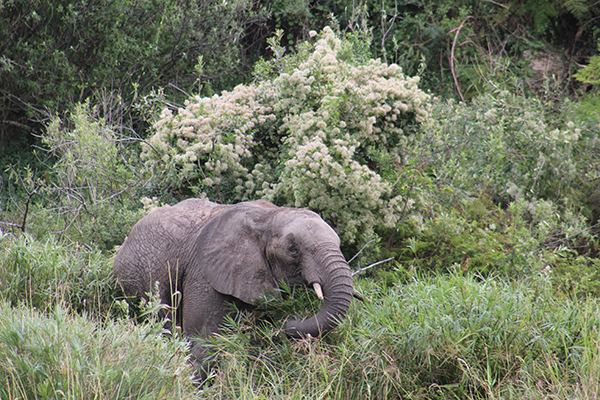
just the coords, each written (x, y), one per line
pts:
(208, 144)
(317, 135)
(510, 147)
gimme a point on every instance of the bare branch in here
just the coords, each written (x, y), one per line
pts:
(452, 56)
(360, 251)
(372, 265)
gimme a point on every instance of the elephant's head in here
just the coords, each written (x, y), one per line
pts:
(251, 247)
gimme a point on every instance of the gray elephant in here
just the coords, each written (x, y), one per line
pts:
(214, 254)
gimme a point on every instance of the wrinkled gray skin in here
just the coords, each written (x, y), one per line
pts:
(214, 254)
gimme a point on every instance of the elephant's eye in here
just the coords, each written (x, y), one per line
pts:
(293, 250)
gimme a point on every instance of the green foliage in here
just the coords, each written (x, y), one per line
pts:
(297, 18)
(47, 356)
(11, 158)
(319, 135)
(590, 73)
(89, 156)
(473, 339)
(511, 147)
(587, 110)
(574, 274)
(500, 185)
(517, 241)
(455, 47)
(59, 53)
(495, 41)
(47, 348)
(94, 181)
(441, 337)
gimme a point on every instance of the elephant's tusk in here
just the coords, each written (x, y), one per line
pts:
(318, 290)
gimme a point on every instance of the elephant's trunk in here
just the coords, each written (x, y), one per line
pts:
(337, 292)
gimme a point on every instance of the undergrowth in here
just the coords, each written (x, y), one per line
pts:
(63, 355)
(459, 335)
(43, 273)
(451, 336)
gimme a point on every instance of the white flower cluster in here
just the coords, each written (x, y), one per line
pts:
(329, 121)
(211, 139)
(349, 195)
(338, 114)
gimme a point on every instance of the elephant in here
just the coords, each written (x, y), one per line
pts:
(216, 254)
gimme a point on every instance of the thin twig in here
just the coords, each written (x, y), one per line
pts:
(498, 4)
(372, 265)
(18, 125)
(360, 251)
(452, 56)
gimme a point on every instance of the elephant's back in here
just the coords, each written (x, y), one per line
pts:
(160, 243)
(191, 213)
(174, 225)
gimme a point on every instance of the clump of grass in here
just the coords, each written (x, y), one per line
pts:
(444, 337)
(46, 272)
(475, 338)
(61, 355)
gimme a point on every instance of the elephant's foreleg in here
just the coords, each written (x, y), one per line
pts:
(203, 309)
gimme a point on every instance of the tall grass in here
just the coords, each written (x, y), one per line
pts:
(60, 355)
(61, 337)
(454, 336)
(445, 337)
(42, 273)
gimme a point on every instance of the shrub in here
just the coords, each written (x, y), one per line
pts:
(512, 189)
(318, 135)
(509, 147)
(70, 356)
(525, 238)
(57, 54)
(91, 191)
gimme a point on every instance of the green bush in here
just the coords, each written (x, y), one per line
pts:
(91, 192)
(59, 53)
(509, 147)
(575, 274)
(480, 236)
(61, 355)
(509, 187)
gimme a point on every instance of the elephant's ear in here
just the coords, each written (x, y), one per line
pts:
(230, 253)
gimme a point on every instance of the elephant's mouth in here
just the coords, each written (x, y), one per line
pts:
(319, 292)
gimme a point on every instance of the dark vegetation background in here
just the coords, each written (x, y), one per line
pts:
(493, 287)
